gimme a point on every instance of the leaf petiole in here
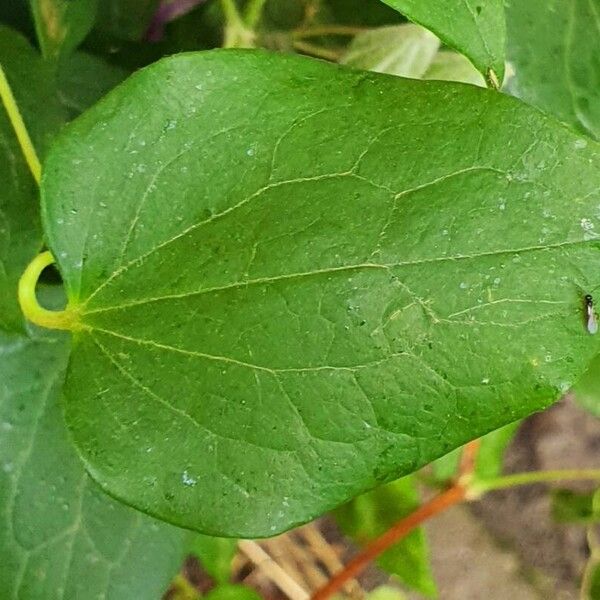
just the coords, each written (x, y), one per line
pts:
(51, 319)
(14, 115)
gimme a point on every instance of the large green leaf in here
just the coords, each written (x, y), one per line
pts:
(60, 535)
(294, 281)
(372, 514)
(474, 27)
(554, 49)
(20, 228)
(62, 24)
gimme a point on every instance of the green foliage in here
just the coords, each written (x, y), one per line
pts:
(232, 592)
(83, 79)
(474, 27)
(62, 24)
(489, 459)
(404, 50)
(574, 507)
(587, 389)
(450, 66)
(554, 49)
(126, 19)
(366, 517)
(217, 356)
(60, 536)
(216, 555)
(20, 227)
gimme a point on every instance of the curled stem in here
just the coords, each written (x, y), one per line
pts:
(64, 319)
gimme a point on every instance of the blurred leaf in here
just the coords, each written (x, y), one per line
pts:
(574, 507)
(364, 13)
(474, 27)
(60, 535)
(489, 456)
(405, 50)
(448, 65)
(385, 592)
(553, 47)
(593, 591)
(216, 555)
(83, 79)
(366, 517)
(126, 19)
(32, 83)
(587, 389)
(232, 592)
(61, 25)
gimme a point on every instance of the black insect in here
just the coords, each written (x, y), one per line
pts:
(590, 313)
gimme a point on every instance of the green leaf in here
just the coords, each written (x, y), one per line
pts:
(83, 79)
(554, 50)
(61, 25)
(20, 228)
(365, 13)
(474, 27)
(450, 66)
(386, 592)
(368, 516)
(489, 459)
(216, 555)
(127, 19)
(355, 273)
(60, 536)
(587, 389)
(232, 592)
(404, 50)
(574, 507)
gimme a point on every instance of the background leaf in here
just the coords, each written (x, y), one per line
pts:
(321, 296)
(127, 19)
(451, 66)
(368, 516)
(232, 592)
(20, 228)
(216, 555)
(83, 79)
(61, 25)
(554, 50)
(404, 50)
(474, 27)
(489, 460)
(60, 536)
(574, 507)
(587, 389)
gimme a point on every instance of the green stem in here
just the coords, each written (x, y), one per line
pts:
(237, 35)
(478, 488)
(253, 13)
(14, 115)
(64, 319)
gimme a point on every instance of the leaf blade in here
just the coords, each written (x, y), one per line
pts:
(61, 536)
(329, 363)
(477, 29)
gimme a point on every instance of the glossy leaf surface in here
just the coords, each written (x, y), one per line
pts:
(286, 335)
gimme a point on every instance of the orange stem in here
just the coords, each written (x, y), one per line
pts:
(469, 457)
(453, 495)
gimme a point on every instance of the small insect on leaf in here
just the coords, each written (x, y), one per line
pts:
(592, 318)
